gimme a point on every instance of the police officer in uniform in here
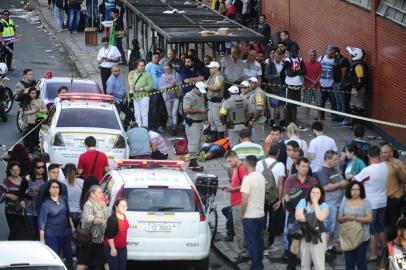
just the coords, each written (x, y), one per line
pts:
(215, 87)
(257, 106)
(234, 113)
(7, 30)
(195, 115)
(245, 90)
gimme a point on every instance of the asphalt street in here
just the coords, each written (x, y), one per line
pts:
(40, 51)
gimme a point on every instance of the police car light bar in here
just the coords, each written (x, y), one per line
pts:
(86, 96)
(148, 163)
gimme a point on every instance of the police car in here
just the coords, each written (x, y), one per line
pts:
(165, 212)
(48, 87)
(28, 255)
(77, 116)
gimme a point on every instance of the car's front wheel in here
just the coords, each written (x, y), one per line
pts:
(202, 264)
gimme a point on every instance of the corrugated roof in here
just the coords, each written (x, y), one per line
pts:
(394, 10)
(186, 27)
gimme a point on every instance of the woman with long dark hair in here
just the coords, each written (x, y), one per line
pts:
(115, 245)
(312, 211)
(11, 194)
(36, 178)
(31, 106)
(55, 224)
(74, 186)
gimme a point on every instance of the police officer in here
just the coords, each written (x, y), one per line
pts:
(257, 106)
(245, 90)
(234, 113)
(7, 30)
(195, 111)
(215, 87)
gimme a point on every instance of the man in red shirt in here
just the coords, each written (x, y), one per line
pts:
(92, 161)
(312, 80)
(239, 172)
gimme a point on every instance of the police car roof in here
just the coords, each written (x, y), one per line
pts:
(27, 253)
(139, 177)
(68, 80)
(87, 104)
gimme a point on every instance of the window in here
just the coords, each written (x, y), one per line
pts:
(361, 3)
(394, 10)
(89, 118)
(52, 88)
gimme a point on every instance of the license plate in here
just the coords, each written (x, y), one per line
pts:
(159, 227)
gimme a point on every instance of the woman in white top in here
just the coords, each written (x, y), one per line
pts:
(74, 186)
(293, 134)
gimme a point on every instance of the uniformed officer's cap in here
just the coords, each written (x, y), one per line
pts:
(213, 64)
(253, 79)
(244, 84)
(201, 86)
(234, 89)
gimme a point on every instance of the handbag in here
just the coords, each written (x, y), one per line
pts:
(82, 236)
(351, 235)
(180, 146)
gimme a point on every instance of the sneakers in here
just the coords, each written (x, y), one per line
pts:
(202, 156)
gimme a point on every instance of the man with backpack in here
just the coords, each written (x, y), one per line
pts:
(274, 173)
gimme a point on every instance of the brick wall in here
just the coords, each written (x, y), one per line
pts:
(317, 23)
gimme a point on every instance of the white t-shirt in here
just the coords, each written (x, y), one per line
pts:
(327, 66)
(296, 80)
(375, 187)
(319, 146)
(251, 70)
(278, 170)
(302, 145)
(254, 185)
(111, 53)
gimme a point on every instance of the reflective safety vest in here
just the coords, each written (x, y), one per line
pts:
(8, 30)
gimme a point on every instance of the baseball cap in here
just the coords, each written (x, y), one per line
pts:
(201, 86)
(253, 79)
(331, 47)
(234, 89)
(244, 84)
(213, 64)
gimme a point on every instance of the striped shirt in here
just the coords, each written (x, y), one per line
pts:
(245, 149)
(157, 139)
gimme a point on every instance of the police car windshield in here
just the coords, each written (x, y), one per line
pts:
(33, 268)
(160, 200)
(88, 117)
(52, 88)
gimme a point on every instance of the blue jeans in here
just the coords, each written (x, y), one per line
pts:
(357, 257)
(92, 13)
(378, 221)
(119, 45)
(254, 236)
(74, 17)
(58, 15)
(228, 214)
(61, 244)
(119, 262)
(327, 93)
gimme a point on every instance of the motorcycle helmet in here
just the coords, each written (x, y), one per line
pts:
(356, 53)
(3, 69)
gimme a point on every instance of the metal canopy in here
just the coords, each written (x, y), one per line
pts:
(186, 27)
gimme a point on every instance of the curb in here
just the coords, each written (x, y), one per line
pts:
(228, 254)
(70, 53)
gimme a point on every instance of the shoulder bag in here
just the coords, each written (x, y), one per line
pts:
(351, 234)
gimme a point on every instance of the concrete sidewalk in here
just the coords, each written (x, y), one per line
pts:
(84, 59)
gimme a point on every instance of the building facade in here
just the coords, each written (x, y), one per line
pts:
(377, 26)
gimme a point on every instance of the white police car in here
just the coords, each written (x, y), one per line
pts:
(28, 255)
(165, 212)
(77, 116)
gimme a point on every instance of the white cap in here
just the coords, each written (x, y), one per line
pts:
(201, 86)
(253, 79)
(244, 84)
(213, 64)
(234, 89)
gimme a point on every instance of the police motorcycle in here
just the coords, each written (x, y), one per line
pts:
(6, 95)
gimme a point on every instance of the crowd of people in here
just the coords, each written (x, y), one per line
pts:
(53, 204)
(308, 193)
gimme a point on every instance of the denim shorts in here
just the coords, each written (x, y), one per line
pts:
(378, 221)
(330, 223)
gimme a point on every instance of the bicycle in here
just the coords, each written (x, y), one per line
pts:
(207, 186)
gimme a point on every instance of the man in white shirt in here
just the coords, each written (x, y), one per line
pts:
(328, 62)
(319, 146)
(375, 178)
(252, 68)
(252, 212)
(108, 56)
(279, 173)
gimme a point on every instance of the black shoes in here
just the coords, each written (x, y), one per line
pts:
(194, 166)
